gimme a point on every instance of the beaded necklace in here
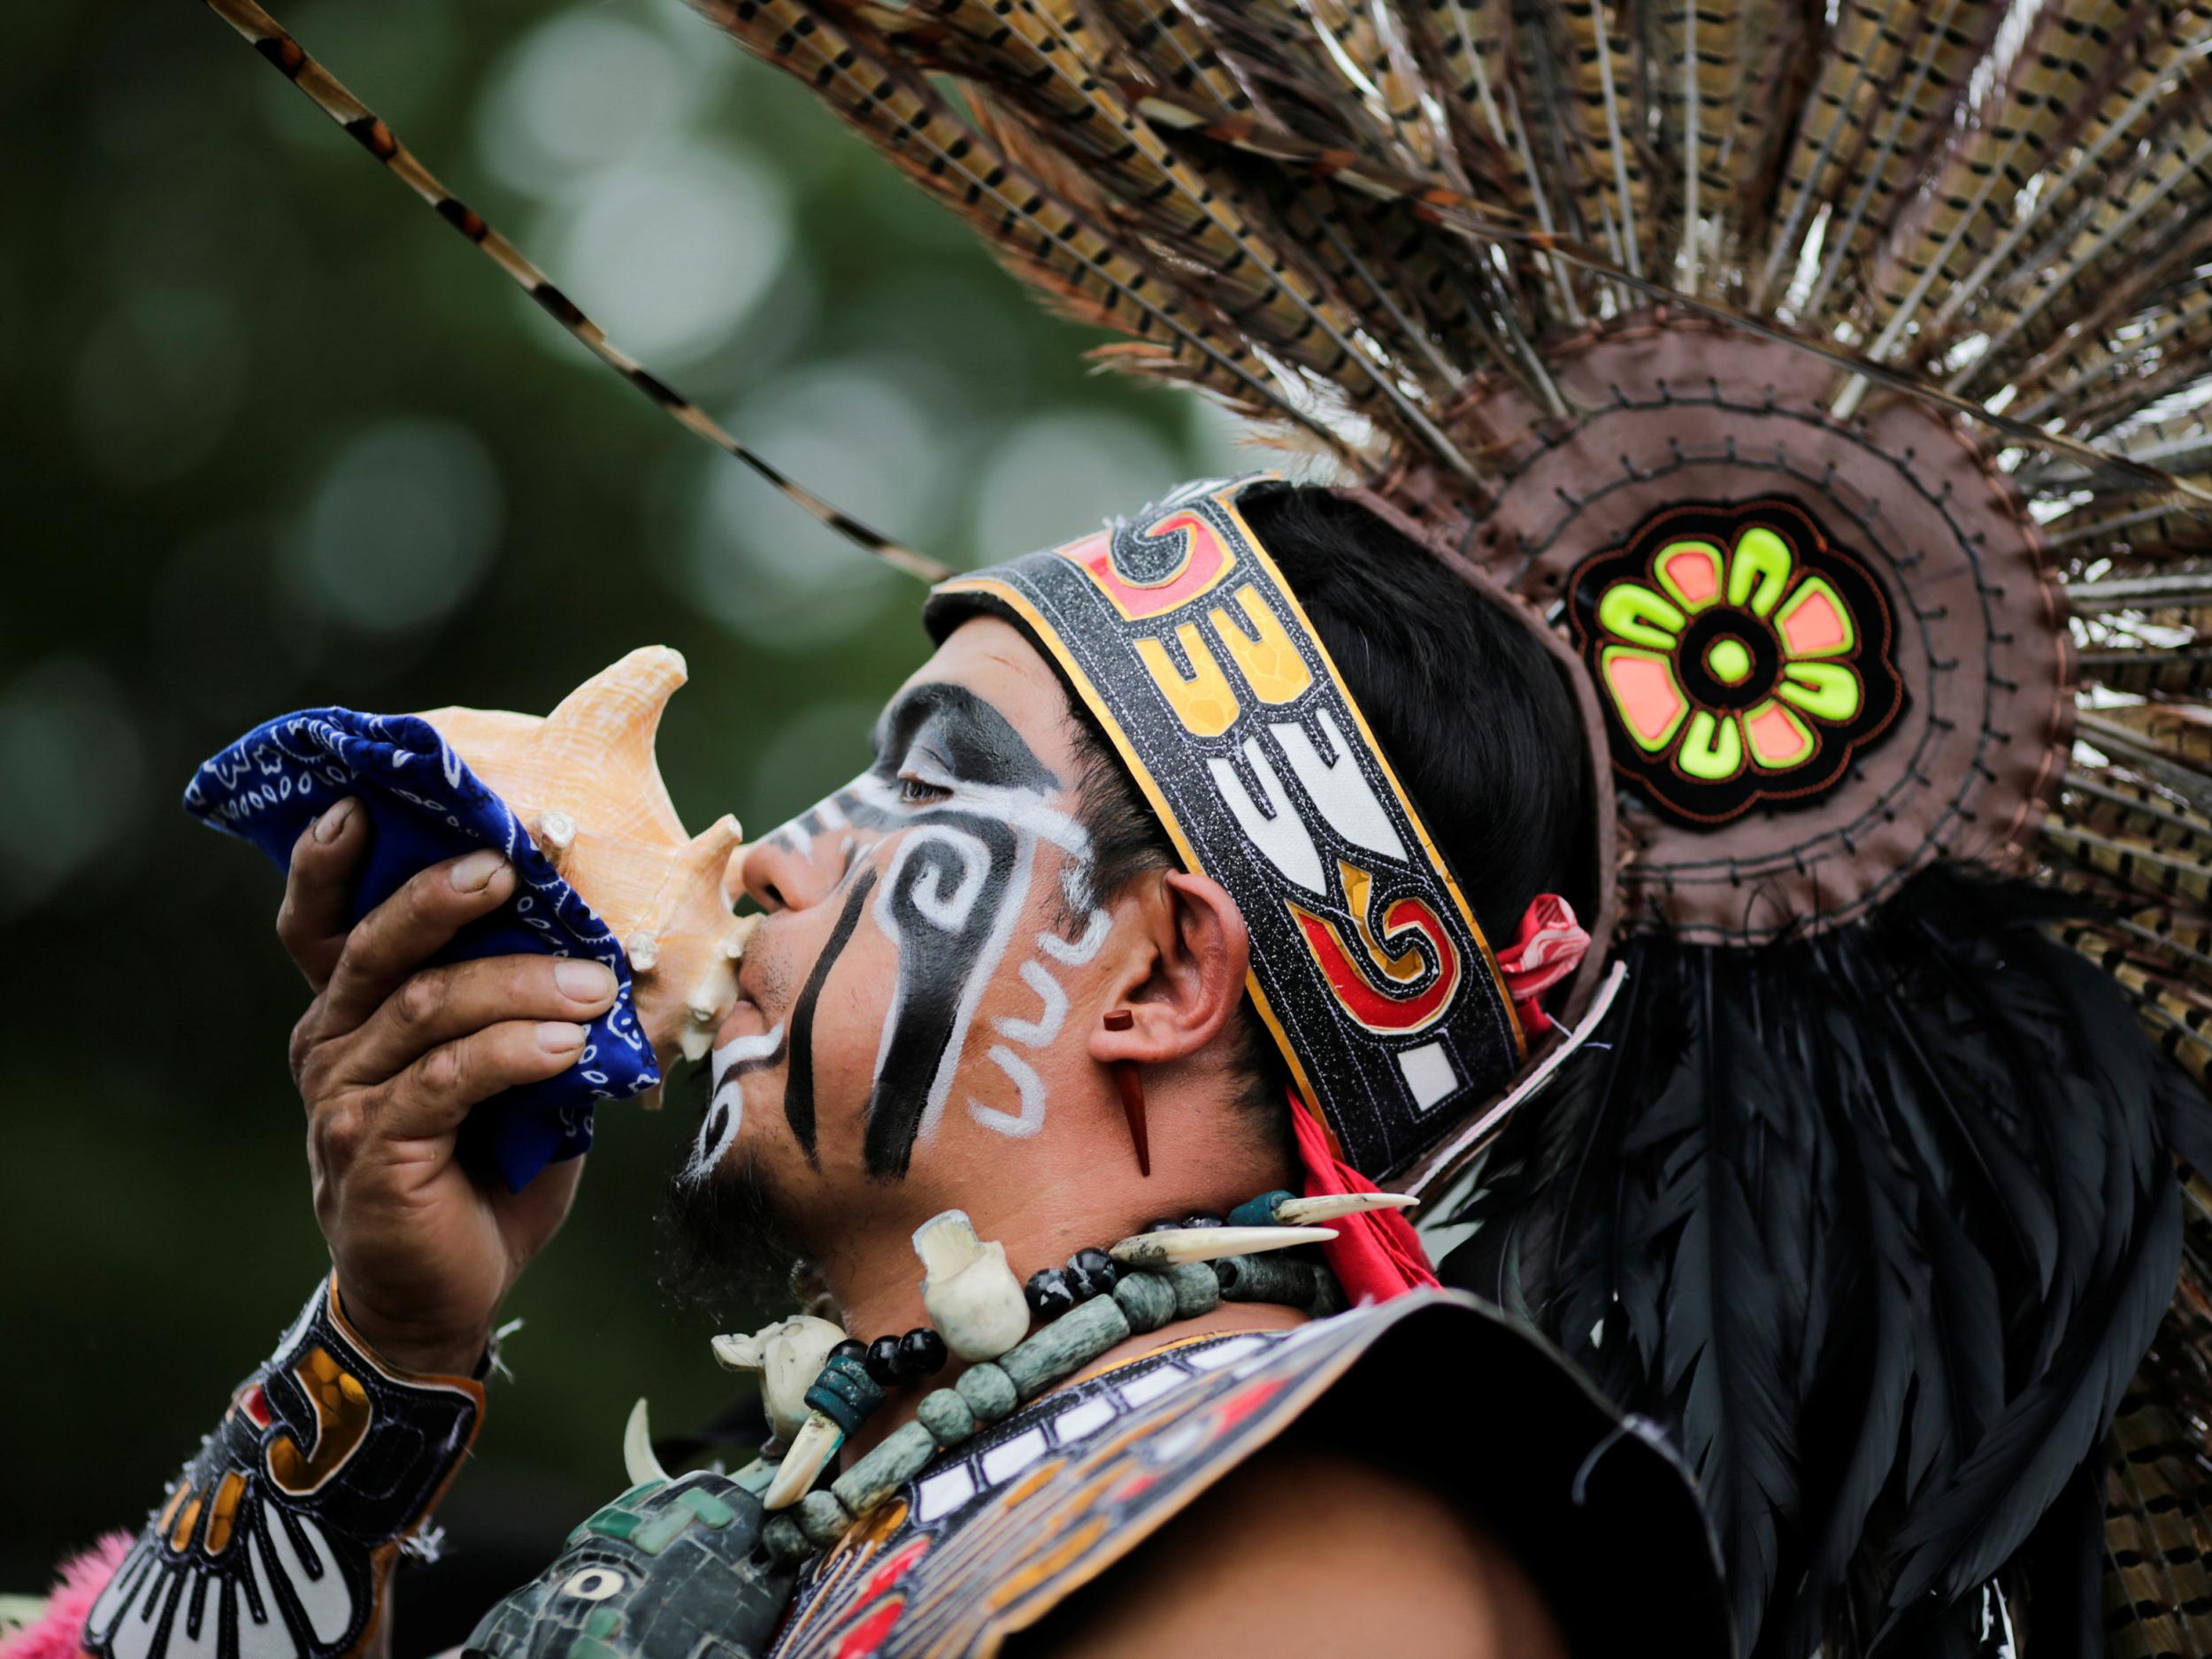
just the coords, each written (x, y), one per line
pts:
(1173, 1269)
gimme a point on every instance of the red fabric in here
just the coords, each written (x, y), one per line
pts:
(1550, 947)
(1376, 1256)
(55, 1635)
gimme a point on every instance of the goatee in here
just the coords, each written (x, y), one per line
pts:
(723, 1250)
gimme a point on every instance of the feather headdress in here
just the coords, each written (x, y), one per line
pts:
(1838, 380)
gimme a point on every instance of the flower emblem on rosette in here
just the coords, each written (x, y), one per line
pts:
(1742, 658)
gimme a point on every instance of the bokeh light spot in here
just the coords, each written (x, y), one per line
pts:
(71, 752)
(669, 253)
(1060, 475)
(581, 92)
(403, 526)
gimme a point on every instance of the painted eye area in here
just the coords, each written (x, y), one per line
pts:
(595, 1584)
(920, 791)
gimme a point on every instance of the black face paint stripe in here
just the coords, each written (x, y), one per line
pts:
(935, 964)
(976, 742)
(798, 1088)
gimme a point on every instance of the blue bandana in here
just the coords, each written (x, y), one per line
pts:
(424, 806)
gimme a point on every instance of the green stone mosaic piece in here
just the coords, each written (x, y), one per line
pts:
(706, 1506)
(663, 1530)
(611, 1524)
(603, 1622)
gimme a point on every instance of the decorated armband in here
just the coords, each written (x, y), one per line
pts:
(277, 1540)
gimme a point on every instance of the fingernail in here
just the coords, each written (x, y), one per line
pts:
(583, 981)
(473, 872)
(558, 1036)
(326, 828)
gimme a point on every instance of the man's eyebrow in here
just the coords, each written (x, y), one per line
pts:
(896, 726)
(978, 741)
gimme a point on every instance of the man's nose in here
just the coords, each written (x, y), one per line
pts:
(778, 874)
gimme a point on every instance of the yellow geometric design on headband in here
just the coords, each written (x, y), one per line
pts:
(1204, 702)
(1271, 663)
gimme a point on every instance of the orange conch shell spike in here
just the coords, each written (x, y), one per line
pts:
(585, 782)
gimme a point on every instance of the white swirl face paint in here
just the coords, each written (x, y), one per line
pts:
(726, 1111)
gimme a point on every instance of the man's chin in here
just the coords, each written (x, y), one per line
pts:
(723, 1249)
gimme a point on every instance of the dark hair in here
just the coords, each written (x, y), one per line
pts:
(1473, 713)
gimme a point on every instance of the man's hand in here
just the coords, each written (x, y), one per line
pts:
(389, 1057)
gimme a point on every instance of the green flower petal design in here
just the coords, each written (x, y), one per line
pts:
(1827, 691)
(1640, 616)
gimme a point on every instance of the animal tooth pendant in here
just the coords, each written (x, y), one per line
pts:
(585, 782)
(1171, 1247)
(789, 1356)
(972, 1296)
(1305, 1213)
(1287, 1209)
(811, 1449)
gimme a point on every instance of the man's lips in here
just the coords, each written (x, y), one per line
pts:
(746, 1014)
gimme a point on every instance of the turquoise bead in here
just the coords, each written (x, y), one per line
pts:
(844, 1392)
(1259, 1212)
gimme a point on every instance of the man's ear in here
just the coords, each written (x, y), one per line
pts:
(1187, 982)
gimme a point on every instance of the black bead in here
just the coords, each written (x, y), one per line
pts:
(1096, 1270)
(1165, 1223)
(883, 1360)
(1202, 1220)
(1048, 1292)
(921, 1354)
(851, 1347)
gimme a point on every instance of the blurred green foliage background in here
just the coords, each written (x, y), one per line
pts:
(275, 437)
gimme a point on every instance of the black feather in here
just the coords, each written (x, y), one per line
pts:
(1880, 1222)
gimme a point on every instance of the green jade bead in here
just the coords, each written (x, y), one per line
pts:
(948, 1418)
(900, 1456)
(1196, 1288)
(1065, 1346)
(785, 1543)
(989, 1391)
(1147, 1300)
(822, 1518)
(1267, 1279)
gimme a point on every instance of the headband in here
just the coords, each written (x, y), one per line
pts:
(1185, 643)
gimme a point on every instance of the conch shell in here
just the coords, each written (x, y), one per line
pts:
(585, 783)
